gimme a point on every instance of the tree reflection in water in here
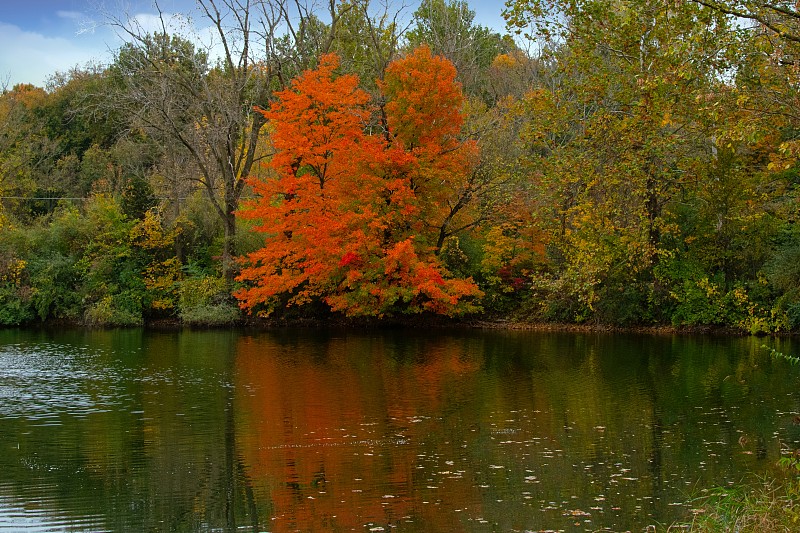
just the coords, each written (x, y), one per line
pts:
(400, 430)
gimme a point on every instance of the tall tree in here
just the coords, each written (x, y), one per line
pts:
(27, 153)
(367, 39)
(617, 133)
(424, 116)
(448, 28)
(760, 146)
(347, 219)
(183, 96)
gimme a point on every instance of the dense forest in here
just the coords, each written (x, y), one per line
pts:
(625, 163)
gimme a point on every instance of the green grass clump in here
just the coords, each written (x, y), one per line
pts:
(766, 506)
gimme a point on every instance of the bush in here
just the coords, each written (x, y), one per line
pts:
(206, 302)
(223, 314)
(15, 305)
(113, 311)
(55, 284)
(624, 304)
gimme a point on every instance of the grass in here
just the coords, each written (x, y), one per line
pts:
(767, 506)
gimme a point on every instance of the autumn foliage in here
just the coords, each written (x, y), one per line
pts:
(351, 210)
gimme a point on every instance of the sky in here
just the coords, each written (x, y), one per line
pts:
(41, 37)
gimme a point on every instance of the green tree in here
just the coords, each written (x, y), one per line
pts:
(26, 151)
(615, 135)
(367, 40)
(448, 28)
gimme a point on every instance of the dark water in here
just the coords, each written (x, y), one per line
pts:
(380, 431)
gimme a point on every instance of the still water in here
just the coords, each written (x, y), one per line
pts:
(380, 431)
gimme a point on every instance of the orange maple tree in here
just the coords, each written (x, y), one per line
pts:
(348, 215)
(424, 116)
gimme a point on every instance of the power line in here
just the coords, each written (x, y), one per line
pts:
(181, 198)
(38, 198)
(76, 198)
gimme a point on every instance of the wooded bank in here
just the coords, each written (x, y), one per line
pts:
(622, 164)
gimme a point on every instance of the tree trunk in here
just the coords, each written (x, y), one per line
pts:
(229, 242)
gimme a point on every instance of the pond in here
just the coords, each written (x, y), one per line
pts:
(400, 430)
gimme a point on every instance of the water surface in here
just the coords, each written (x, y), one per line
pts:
(380, 431)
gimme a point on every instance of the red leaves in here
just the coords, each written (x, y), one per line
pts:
(344, 218)
(349, 258)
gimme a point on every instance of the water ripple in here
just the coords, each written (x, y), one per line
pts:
(44, 383)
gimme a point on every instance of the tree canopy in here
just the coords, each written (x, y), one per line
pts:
(348, 219)
(627, 162)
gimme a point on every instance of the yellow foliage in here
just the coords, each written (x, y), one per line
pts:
(740, 297)
(500, 247)
(504, 61)
(786, 157)
(709, 288)
(161, 280)
(12, 271)
(150, 233)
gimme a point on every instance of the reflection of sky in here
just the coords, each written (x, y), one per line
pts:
(41, 37)
(42, 516)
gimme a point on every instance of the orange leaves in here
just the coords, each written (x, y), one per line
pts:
(423, 282)
(319, 117)
(346, 215)
(424, 101)
(424, 115)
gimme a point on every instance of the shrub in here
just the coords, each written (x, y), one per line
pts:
(15, 305)
(222, 314)
(206, 302)
(114, 311)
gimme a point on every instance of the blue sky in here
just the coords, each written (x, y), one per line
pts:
(41, 37)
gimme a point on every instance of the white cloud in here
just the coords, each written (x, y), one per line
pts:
(29, 57)
(32, 57)
(69, 15)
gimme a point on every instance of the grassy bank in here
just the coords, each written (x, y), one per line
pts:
(769, 505)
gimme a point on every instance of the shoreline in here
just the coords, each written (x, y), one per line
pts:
(417, 322)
